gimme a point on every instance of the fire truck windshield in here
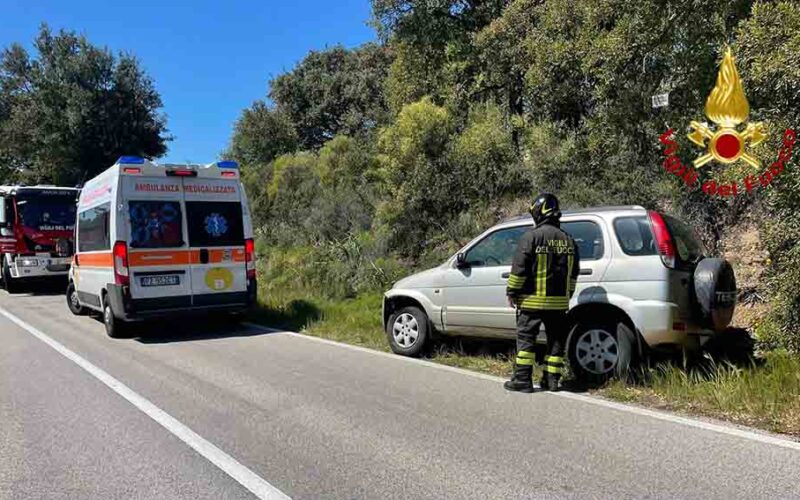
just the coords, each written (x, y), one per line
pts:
(46, 212)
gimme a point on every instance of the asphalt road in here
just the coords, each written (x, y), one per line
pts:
(319, 420)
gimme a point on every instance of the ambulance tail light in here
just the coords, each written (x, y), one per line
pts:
(664, 243)
(250, 258)
(132, 170)
(182, 172)
(121, 274)
(228, 174)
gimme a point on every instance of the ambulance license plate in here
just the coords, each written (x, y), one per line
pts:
(168, 280)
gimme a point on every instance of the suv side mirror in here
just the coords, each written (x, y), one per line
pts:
(461, 261)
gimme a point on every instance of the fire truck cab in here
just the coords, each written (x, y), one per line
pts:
(37, 224)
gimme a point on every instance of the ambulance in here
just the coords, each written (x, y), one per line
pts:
(155, 240)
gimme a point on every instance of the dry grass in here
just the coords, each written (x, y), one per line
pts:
(765, 396)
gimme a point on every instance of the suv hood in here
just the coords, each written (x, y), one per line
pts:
(423, 279)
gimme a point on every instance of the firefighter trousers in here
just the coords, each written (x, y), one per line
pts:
(529, 323)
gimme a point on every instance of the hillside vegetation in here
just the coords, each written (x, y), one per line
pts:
(364, 164)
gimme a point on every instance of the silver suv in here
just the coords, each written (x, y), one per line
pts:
(645, 283)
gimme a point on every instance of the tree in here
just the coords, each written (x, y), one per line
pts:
(335, 91)
(261, 134)
(767, 48)
(422, 187)
(72, 109)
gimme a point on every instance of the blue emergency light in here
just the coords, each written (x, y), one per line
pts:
(130, 160)
(227, 164)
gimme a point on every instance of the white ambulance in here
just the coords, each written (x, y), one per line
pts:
(155, 240)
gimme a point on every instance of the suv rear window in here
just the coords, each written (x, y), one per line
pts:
(688, 247)
(155, 224)
(634, 235)
(215, 223)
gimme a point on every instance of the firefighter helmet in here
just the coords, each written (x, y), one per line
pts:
(545, 207)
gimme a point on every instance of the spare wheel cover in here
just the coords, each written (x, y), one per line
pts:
(715, 292)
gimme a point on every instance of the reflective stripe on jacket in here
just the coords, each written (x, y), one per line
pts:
(545, 269)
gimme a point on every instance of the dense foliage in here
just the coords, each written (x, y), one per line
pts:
(402, 151)
(71, 109)
(364, 163)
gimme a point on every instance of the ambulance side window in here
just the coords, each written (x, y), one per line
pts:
(155, 224)
(93, 229)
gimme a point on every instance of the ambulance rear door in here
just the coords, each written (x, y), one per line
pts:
(158, 255)
(215, 230)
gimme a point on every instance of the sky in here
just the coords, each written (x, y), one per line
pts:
(209, 59)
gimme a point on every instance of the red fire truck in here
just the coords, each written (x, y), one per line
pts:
(36, 232)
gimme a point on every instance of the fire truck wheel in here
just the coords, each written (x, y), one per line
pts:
(8, 281)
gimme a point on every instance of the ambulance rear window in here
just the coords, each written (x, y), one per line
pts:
(155, 224)
(215, 223)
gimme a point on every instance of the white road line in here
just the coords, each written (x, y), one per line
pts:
(244, 476)
(720, 428)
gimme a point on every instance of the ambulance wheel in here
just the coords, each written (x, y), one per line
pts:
(115, 327)
(8, 281)
(73, 303)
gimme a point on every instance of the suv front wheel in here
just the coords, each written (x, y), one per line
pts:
(408, 331)
(602, 350)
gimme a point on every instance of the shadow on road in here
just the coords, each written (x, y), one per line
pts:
(50, 286)
(192, 329)
(295, 316)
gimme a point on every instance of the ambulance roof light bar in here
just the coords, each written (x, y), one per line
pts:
(130, 160)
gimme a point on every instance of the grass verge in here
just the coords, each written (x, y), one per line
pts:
(765, 396)
(357, 321)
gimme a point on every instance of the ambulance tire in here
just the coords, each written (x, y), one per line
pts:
(8, 281)
(73, 303)
(115, 327)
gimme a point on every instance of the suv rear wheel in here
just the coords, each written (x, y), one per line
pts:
(407, 330)
(598, 351)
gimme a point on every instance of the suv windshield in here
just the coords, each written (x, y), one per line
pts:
(47, 212)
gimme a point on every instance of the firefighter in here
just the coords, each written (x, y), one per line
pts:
(542, 280)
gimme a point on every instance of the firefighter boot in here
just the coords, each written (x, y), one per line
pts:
(550, 382)
(521, 380)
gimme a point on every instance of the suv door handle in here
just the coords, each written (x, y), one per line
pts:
(505, 275)
(585, 272)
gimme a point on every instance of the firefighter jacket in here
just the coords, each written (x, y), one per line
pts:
(545, 269)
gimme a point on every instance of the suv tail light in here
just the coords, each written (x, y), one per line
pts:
(664, 243)
(121, 275)
(250, 258)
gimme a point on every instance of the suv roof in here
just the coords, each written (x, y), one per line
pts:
(587, 210)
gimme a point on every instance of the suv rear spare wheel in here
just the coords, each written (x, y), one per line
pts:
(715, 293)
